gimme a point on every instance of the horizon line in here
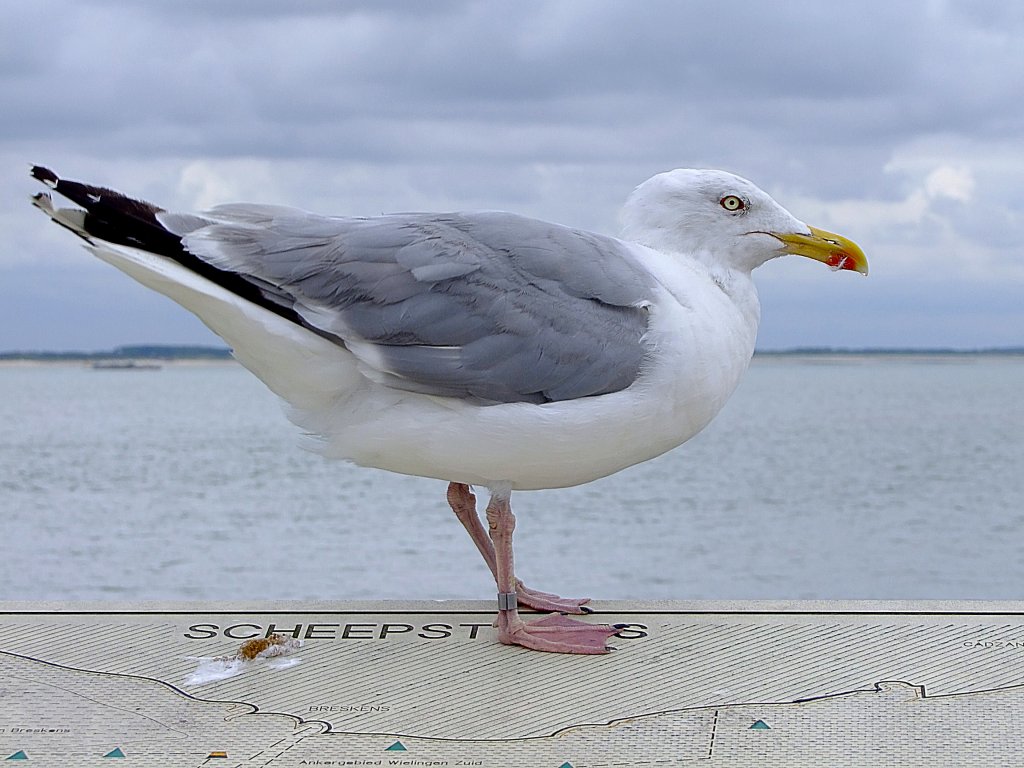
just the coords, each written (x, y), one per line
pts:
(213, 351)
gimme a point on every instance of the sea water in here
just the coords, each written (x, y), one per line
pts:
(824, 477)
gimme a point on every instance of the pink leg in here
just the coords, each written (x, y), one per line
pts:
(463, 504)
(554, 633)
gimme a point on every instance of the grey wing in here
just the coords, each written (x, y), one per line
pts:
(491, 306)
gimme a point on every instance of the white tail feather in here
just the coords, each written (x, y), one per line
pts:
(71, 218)
(305, 369)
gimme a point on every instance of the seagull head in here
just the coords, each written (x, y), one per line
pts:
(725, 220)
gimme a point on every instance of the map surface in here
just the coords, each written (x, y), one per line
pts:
(424, 684)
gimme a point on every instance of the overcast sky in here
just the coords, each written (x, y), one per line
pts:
(897, 124)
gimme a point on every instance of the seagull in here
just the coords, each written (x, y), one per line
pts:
(483, 349)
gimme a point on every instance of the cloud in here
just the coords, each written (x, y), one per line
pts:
(919, 206)
(895, 123)
(956, 183)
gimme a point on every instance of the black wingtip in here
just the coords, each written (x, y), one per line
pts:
(45, 175)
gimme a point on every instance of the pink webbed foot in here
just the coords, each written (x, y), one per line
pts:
(463, 503)
(555, 634)
(546, 601)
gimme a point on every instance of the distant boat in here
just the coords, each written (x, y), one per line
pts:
(124, 365)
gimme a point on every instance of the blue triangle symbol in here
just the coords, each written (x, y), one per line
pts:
(760, 725)
(566, 764)
(396, 747)
(115, 752)
(19, 755)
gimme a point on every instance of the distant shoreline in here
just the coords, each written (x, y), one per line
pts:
(141, 353)
(892, 352)
(182, 362)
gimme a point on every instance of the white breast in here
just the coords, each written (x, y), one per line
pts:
(701, 339)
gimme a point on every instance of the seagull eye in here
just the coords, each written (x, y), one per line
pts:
(732, 203)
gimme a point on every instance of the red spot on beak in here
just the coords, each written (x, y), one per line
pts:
(840, 260)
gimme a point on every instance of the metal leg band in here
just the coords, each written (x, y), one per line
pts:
(507, 601)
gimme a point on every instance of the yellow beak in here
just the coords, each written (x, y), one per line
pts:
(834, 250)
